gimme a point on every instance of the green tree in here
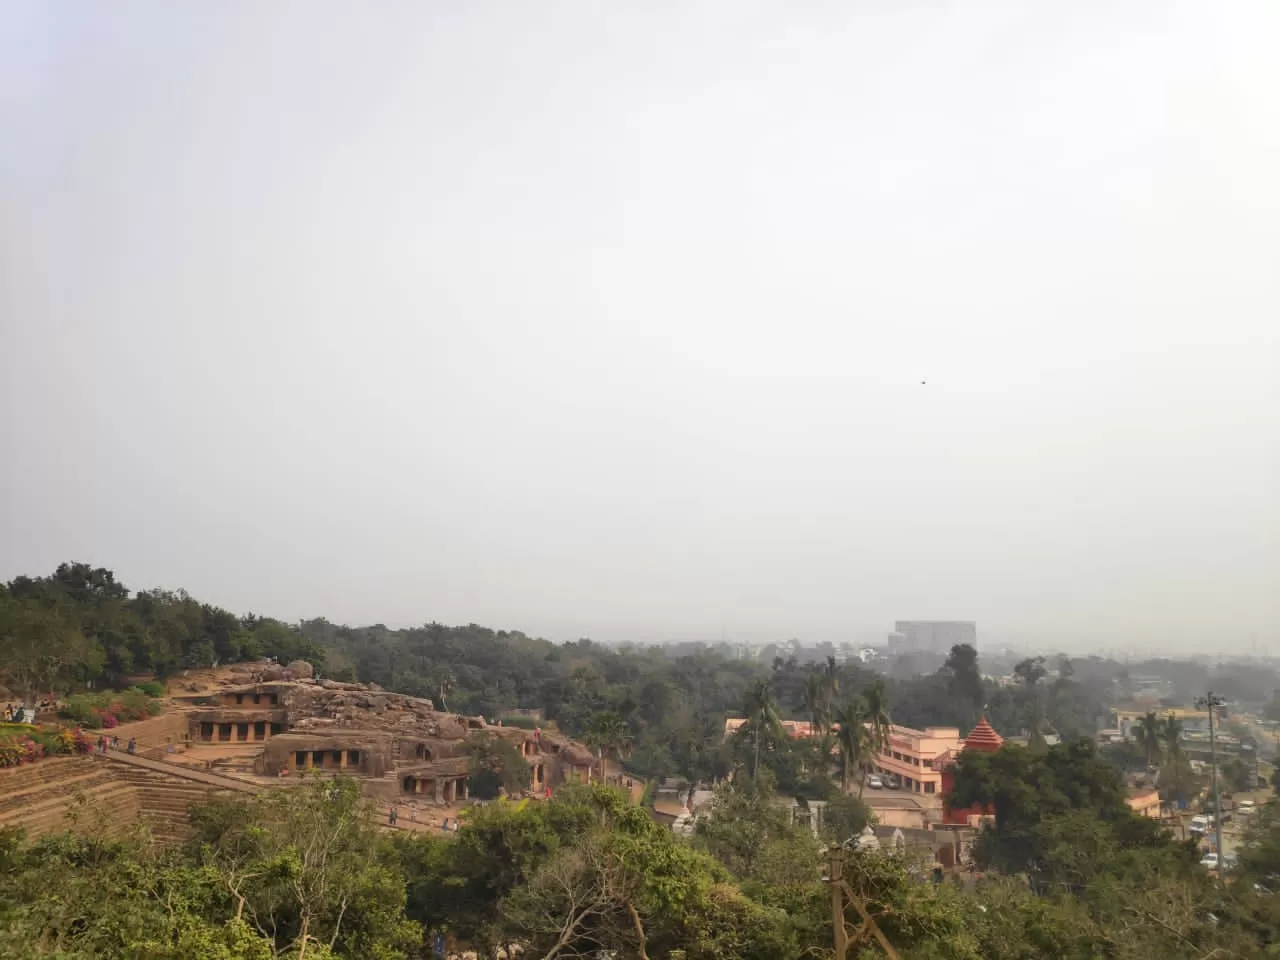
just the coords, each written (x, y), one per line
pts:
(629, 886)
(495, 766)
(607, 734)
(306, 868)
(1030, 672)
(817, 702)
(1147, 733)
(844, 817)
(1043, 803)
(964, 680)
(744, 819)
(853, 740)
(1237, 775)
(877, 702)
(762, 718)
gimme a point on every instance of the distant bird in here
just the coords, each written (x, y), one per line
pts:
(922, 383)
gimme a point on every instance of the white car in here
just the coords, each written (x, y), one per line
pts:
(875, 782)
(1209, 860)
(1199, 824)
(1246, 808)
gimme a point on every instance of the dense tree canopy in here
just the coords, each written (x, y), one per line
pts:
(308, 873)
(80, 626)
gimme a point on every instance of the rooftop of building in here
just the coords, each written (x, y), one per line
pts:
(934, 733)
(1181, 713)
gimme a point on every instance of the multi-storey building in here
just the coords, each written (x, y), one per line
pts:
(931, 636)
(912, 756)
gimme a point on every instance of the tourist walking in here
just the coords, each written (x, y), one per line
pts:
(133, 745)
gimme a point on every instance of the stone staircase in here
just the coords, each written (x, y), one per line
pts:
(61, 793)
(108, 795)
(164, 801)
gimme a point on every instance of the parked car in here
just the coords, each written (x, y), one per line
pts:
(1200, 824)
(875, 782)
(891, 781)
(1246, 808)
(1209, 860)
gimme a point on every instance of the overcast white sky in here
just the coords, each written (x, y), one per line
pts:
(610, 319)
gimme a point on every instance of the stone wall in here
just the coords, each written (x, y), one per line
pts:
(105, 796)
(66, 793)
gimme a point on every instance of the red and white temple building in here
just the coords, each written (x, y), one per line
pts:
(983, 739)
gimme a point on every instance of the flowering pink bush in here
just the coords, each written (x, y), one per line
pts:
(93, 710)
(16, 751)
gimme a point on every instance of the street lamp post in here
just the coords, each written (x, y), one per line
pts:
(1212, 703)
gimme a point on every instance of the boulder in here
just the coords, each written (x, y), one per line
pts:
(451, 728)
(301, 669)
(273, 673)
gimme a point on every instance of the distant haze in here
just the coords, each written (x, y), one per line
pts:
(612, 319)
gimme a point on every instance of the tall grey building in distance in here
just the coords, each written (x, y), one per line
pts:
(931, 636)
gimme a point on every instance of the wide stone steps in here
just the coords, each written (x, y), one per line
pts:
(165, 800)
(63, 776)
(66, 793)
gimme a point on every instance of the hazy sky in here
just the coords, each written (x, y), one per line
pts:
(610, 319)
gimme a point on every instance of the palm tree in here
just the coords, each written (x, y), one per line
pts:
(817, 702)
(1147, 732)
(877, 714)
(1031, 671)
(762, 714)
(854, 742)
(1176, 778)
(1171, 734)
(831, 676)
(607, 733)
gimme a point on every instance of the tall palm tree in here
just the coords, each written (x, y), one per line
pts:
(762, 714)
(854, 742)
(831, 676)
(1175, 775)
(1147, 733)
(818, 703)
(607, 734)
(1171, 736)
(877, 714)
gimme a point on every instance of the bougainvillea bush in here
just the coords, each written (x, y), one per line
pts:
(103, 711)
(21, 744)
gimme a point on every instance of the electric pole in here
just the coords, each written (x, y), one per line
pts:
(1212, 703)
(842, 896)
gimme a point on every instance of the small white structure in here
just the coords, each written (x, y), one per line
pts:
(868, 840)
(683, 824)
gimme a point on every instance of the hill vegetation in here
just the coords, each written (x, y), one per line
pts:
(1067, 871)
(1071, 873)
